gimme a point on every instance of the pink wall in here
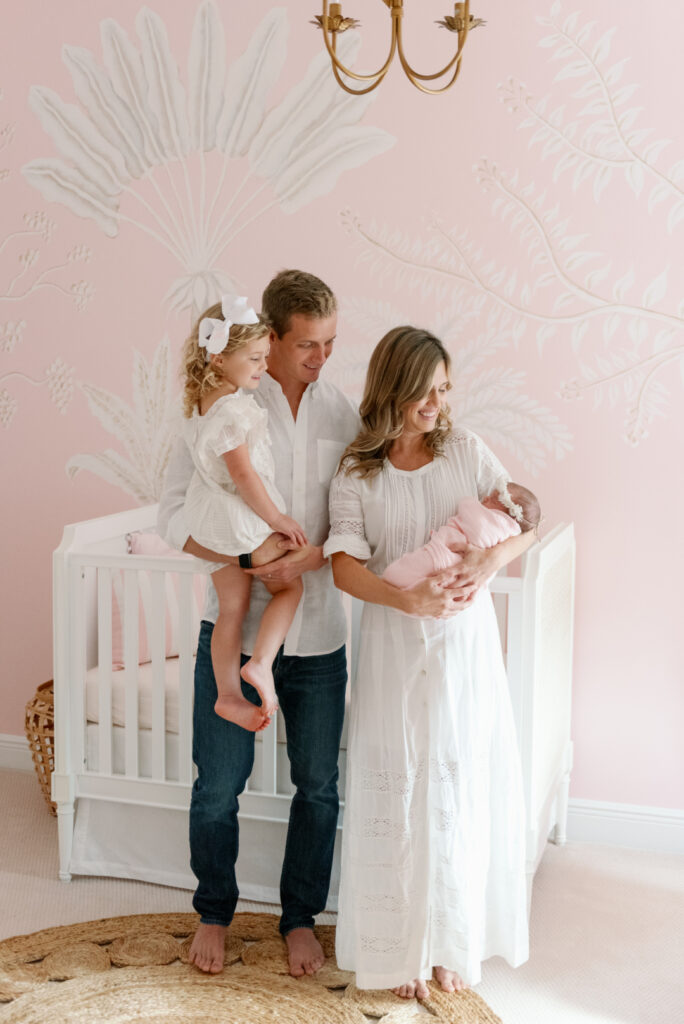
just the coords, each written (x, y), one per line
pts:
(537, 228)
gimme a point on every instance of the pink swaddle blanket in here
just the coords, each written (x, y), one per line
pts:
(472, 524)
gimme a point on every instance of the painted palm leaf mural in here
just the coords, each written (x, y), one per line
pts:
(141, 139)
(190, 160)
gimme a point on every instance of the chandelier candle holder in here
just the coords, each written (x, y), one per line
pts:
(332, 22)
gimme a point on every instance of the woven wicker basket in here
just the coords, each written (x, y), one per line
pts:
(40, 733)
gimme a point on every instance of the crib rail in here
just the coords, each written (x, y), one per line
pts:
(100, 725)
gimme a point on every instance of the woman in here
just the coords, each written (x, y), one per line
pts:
(433, 844)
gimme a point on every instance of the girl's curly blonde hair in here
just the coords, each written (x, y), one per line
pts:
(200, 375)
(400, 372)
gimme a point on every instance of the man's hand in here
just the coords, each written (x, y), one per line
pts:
(292, 564)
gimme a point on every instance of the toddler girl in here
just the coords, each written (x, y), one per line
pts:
(506, 512)
(232, 504)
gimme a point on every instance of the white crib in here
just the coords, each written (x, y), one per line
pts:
(123, 764)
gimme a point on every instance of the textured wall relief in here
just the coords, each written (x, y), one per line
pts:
(558, 286)
(22, 251)
(191, 167)
(146, 429)
(143, 149)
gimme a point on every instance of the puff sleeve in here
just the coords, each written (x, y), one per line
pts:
(489, 473)
(238, 418)
(347, 530)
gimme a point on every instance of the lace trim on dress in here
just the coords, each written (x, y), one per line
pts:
(347, 528)
(402, 783)
(382, 944)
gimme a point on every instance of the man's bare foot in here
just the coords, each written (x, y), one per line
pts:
(449, 981)
(240, 711)
(207, 949)
(304, 952)
(259, 675)
(416, 988)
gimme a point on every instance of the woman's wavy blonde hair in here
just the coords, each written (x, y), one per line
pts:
(200, 375)
(400, 372)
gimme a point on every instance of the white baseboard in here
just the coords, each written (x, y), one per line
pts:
(15, 755)
(658, 829)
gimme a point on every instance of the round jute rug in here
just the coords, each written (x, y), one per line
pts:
(123, 970)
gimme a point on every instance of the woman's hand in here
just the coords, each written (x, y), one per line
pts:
(439, 596)
(476, 568)
(290, 528)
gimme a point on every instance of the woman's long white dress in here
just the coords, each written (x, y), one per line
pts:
(433, 859)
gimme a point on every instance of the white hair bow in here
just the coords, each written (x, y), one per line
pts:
(213, 333)
(505, 498)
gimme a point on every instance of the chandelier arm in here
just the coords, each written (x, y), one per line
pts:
(357, 92)
(435, 92)
(413, 74)
(331, 48)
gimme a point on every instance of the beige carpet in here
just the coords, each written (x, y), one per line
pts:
(606, 934)
(136, 968)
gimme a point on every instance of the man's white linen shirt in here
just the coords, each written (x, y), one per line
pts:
(306, 452)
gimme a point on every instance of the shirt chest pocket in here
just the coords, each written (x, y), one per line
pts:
(329, 455)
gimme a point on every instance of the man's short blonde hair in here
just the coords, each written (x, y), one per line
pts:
(295, 291)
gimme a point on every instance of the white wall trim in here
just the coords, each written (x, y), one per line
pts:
(658, 829)
(15, 755)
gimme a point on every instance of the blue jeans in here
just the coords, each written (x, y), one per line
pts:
(310, 694)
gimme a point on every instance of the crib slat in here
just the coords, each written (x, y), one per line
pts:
(514, 661)
(156, 616)
(130, 672)
(185, 678)
(78, 725)
(104, 672)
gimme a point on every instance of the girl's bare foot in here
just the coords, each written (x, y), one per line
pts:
(416, 988)
(206, 951)
(259, 675)
(238, 710)
(304, 952)
(449, 981)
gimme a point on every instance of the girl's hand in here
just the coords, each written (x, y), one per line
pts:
(290, 528)
(439, 596)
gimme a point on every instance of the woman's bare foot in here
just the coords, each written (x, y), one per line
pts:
(304, 951)
(449, 981)
(207, 949)
(259, 675)
(238, 710)
(416, 988)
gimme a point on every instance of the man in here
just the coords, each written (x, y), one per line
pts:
(310, 422)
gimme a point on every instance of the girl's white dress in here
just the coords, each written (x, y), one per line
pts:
(433, 855)
(217, 517)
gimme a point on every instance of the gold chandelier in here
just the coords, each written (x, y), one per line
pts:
(332, 21)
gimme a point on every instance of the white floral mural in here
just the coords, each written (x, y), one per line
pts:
(128, 150)
(28, 245)
(559, 284)
(146, 429)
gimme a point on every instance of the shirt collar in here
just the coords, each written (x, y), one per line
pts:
(272, 383)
